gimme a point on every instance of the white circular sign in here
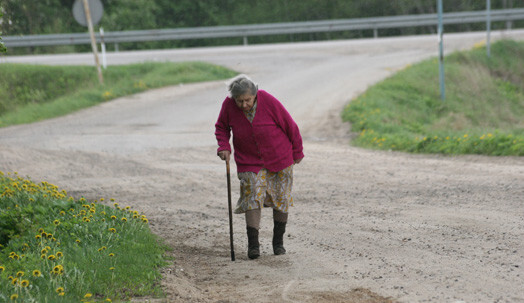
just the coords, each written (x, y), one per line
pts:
(95, 8)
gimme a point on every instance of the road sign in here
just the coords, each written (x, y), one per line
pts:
(96, 8)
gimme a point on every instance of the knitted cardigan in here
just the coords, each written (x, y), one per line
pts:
(272, 141)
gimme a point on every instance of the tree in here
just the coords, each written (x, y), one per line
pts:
(2, 46)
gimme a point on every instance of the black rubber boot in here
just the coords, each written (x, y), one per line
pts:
(253, 247)
(278, 238)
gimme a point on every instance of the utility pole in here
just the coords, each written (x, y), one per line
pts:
(93, 40)
(441, 52)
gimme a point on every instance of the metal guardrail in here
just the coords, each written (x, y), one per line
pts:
(245, 31)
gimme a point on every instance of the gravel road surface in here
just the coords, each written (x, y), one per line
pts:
(367, 226)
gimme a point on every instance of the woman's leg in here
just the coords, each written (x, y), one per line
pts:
(280, 220)
(253, 225)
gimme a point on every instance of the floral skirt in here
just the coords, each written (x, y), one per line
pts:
(265, 189)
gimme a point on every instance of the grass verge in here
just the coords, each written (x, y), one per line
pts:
(482, 113)
(30, 93)
(57, 249)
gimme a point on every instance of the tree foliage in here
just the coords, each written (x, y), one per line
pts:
(2, 46)
(54, 16)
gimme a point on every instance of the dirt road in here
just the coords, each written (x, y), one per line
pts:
(367, 226)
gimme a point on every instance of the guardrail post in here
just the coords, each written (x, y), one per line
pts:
(375, 33)
(245, 40)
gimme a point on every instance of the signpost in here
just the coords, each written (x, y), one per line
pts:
(441, 52)
(488, 28)
(82, 13)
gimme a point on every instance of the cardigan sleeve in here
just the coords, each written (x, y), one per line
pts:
(222, 129)
(289, 126)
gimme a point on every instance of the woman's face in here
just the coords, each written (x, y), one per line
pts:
(245, 102)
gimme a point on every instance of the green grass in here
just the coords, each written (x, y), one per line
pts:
(57, 249)
(482, 113)
(30, 93)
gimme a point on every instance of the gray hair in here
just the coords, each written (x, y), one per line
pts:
(241, 85)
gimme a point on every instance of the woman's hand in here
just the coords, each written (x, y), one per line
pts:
(298, 160)
(224, 155)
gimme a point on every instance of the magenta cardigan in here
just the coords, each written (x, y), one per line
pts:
(273, 141)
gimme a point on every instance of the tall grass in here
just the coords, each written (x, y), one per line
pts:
(30, 93)
(58, 249)
(482, 113)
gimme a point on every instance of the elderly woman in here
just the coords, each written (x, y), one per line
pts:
(267, 143)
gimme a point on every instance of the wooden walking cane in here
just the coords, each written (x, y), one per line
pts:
(230, 211)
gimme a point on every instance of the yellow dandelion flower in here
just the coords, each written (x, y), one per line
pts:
(59, 254)
(62, 213)
(14, 297)
(41, 230)
(36, 273)
(135, 216)
(77, 241)
(88, 295)
(111, 254)
(113, 217)
(116, 204)
(20, 274)
(58, 270)
(51, 257)
(108, 300)
(111, 268)
(128, 207)
(43, 251)
(112, 230)
(14, 281)
(56, 222)
(38, 237)
(61, 294)
(24, 283)
(43, 256)
(2, 268)
(60, 289)
(124, 219)
(145, 220)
